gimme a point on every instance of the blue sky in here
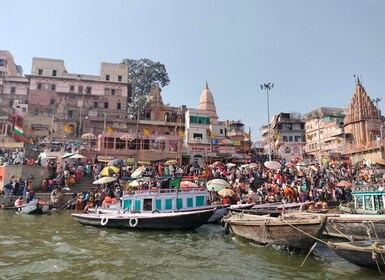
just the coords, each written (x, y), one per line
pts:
(310, 50)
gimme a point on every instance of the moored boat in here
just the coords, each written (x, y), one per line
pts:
(368, 254)
(33, 207)
(356, 226)
(295, 231)
(150, 221)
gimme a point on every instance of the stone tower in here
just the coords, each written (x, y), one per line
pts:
(361, 120)
(206, 102)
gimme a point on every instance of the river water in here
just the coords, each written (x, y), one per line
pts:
(56, 247)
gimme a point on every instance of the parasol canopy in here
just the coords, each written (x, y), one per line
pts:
(115, 162)
(127, 137)
(271, 164)
(253, 165)
(109, 171)
(171, 162)
(77, 156)
(216, 184)
(230, 164)
(134, 184)
(161, 139)
(67, 155)
(104, 180)
(88, 136)
(226, 193)
(188, 185)
(343, 183)
(138, 172)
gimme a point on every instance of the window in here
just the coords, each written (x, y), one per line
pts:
(95, 104)
(70, 113)
(13, 90)
(221, 131)
(36, 112)
(119, 78)
(3, 62)
(54, 72)
(289, 126)
(39, 86)
(119, 106)
(40, 72)
(290, 138)
(50, 113)
(80, 89)
(105, 105)
(53, 87)
(88, 90)
(1, 74)
(112, 91)
(119, 92)
(297, 138)
(197, 135)
(284, 139)
(107, 77)
(72, 88)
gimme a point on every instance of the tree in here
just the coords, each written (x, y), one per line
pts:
(141, 74)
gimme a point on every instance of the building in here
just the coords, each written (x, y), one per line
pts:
(324, 132)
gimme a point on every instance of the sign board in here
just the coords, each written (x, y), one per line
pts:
(39, 126)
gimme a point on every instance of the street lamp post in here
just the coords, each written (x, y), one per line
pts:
(268, 87)
(379, 117)
(52, 103)
(319, 141)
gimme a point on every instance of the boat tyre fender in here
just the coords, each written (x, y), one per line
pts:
(227, 228)
(133, 222)
(104, 221)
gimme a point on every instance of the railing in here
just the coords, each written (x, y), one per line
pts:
(367, 188)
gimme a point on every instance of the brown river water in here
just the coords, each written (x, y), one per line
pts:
(56, 247)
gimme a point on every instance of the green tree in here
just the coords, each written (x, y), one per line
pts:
(141, 74)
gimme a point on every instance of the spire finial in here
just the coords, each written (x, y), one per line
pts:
(207, 85)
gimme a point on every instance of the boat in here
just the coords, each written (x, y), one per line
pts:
(295, 231)
(165, 200)
(283, 206)
(149, 221)
(368, 254)
(33, 207)
(366, 199)
(356, 226)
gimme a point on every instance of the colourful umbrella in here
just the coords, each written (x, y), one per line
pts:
(104, 180)
(226, 193)
(188, 185)
(216, 184)
(272, 164)
(109, 171)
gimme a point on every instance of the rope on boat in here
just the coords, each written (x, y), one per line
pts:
(308, 254)
(374, 229)
(375, 251)
(343, 234)
(300, 230)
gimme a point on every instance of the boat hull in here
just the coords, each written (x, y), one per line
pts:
(361, 253)
(155, 221)
(276, 231)
(356, 227)
(33, 208)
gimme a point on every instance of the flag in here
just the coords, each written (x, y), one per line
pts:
(212, 135)
(146, 131)
(18, 130)
(339, 141)
(67, 128)
(309, 137)
(277, 137)
(181, 133)
(246, 135)
(110, 131)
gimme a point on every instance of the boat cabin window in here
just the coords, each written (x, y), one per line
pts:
(147, 204)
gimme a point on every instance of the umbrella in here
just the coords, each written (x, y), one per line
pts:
(230, 164)
(67, 155)
(104, 180)
(138, 172)
(272, 164)
(253, 165)
(188, 185)
(109, 171)
(88, 136)
(217, 184)
(171, 162)
(161, 139)
(77, 156)
(226, 192)
(134, 183)
(144, 162)
(217, 163)
(343, 183)
(115, 162)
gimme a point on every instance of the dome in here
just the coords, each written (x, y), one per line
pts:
(206, 101)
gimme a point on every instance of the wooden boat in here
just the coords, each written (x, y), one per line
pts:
(367, 199)
(154, 221)
(33, 207)
(165, 201)
(368, 254)
(282, 206)
(356, 227)
(295, 231)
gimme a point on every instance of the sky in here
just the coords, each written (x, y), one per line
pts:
(310, 50)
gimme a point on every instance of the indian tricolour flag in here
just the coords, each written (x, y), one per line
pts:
(18, 130)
